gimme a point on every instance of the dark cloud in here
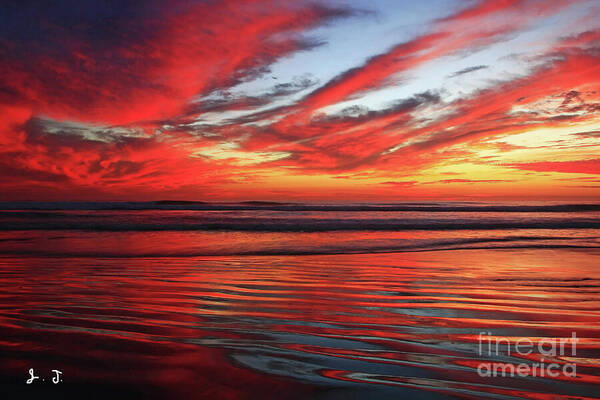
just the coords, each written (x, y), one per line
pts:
(13, 172)
(570, 96)
(563, 117)
(364, 145)
(359, 113)
(589, 134)
(100, 23)
(223, 100)
(298, 84)
(122, 168)
(467, 70)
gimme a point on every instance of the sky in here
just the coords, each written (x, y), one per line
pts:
(323, 100)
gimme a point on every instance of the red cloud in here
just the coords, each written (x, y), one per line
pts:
(571, 167)
(168, 61)
(66, 163)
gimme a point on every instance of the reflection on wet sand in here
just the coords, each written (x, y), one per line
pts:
(297, 326)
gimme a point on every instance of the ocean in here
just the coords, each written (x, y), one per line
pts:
(248, 300)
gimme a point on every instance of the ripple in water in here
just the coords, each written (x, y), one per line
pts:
(323, 326)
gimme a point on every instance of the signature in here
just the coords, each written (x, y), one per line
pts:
(55, 379)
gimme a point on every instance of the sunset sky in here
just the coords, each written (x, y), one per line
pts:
(323, 100)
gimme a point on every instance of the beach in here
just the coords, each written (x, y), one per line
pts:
(319, 313)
